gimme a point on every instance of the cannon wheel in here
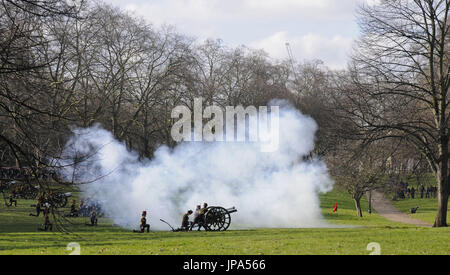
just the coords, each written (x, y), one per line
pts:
(217, 219)
(62, 201)
(31, 193)
(59, 200)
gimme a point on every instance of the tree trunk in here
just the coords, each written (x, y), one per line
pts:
(443, 194)
(442, 180)
(358, 207)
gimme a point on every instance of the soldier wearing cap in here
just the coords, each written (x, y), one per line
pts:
(144, 224)
(185, 221)
(201, 217)
(196, 216)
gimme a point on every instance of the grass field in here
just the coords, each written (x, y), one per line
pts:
(18, 235)
(426, 212)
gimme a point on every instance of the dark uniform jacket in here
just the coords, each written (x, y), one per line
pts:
(185, 220)
(143, 221)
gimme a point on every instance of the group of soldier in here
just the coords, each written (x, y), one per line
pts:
(86, 208)
(13, 190)
(199, 218)
(43, 204)
(186, 224)
(16, 191)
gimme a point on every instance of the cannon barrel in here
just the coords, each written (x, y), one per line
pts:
(232, 210)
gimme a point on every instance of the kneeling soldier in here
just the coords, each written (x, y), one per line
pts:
(144, 224)
(47, 224)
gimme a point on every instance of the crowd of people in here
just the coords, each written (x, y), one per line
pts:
(406, 191)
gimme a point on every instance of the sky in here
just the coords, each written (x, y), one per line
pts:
(315, 29)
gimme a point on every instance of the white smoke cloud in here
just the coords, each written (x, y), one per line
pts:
(269, 189)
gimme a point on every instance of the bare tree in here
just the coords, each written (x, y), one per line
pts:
(400, 79)
(359, 169)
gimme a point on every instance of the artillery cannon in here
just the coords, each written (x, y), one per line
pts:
(29, 192)
(216, 219)
(59, 200)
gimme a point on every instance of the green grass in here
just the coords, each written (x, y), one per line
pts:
(426, 211)
(351, 236)
(427, 207)
(346, 214)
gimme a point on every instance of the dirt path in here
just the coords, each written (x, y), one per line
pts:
(383, 206)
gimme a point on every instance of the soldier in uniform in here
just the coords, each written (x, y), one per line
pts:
(82, 208)
(12, 197)
(185, 226)
(73, 209)
(94, 219)
(38, 206)
(143, 224)
(47, 224)
(201, 217)
(196, 217)
(45, 198)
